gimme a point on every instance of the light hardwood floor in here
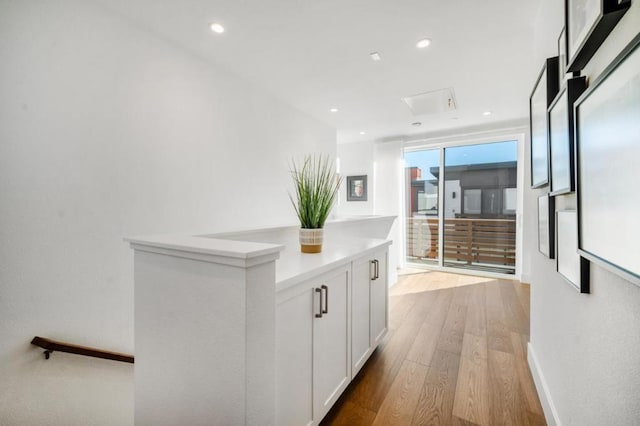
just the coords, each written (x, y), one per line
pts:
(455, 354)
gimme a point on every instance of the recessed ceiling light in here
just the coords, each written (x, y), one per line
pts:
(334, 110)
(416, 123)
(217, 28)
(363, 133)
(425, 42)
(375, 56)
(486, 113)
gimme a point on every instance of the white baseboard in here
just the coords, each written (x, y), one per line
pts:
(550, 413)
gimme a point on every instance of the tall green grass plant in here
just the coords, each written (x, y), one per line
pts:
(316, 185)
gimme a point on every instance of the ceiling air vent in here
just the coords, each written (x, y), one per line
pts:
(435, 102)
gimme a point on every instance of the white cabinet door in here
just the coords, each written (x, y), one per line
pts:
(294, 359)
(379, 298)
(312, 348)
(331, 341)
(360, 313)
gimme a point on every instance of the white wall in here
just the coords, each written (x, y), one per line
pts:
(108, 131)
(586, 347)
(381, 162)
(389, 195)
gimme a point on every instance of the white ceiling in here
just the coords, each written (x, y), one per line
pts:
(314, 55)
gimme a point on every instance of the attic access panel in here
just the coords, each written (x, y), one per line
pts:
(434, 102)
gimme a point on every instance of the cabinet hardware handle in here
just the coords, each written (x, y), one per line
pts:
(319, 291)
(373, 262)
(326, 299)
(377, 265)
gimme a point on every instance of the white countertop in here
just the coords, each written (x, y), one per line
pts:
(343, 242)
(203, 245)
(294, 267)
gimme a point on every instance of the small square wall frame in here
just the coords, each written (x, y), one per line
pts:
(357, 188)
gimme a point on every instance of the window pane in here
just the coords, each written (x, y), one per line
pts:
(491, 201)
(510, 197)
(422, 171)
(480, 234)
(472, 201)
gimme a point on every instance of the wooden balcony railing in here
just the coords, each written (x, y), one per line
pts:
(466, 241)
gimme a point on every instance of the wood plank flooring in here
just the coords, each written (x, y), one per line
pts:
(455, 354)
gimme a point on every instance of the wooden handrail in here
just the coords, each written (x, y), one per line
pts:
(52, 345)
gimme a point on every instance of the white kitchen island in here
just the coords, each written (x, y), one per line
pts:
(242, 328)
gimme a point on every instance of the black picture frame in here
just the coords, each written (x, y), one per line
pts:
(607, 149)
(357, 188)
(562, 59)
(544, 91)
(574, 268)
(546, 225)
(561, 137)
(587, 26)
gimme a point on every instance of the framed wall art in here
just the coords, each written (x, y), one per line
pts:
(588, 23)
(546, 225)
(562, 59)
(545, 89)
(573, 267)
(561, 138)
(608, 148)
(357, 188)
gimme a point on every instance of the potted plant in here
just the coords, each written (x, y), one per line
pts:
(316, 186)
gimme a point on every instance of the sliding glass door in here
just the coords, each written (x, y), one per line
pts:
(422, 205)
(461, 206)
